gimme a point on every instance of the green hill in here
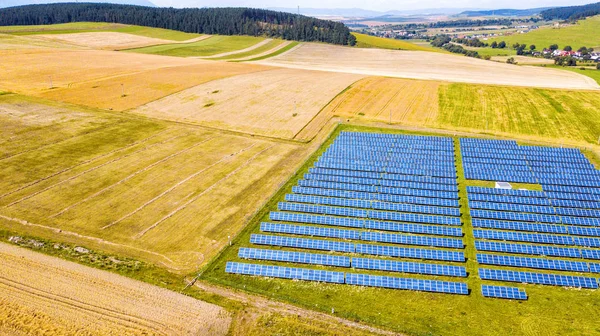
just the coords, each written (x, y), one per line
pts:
(583, 33)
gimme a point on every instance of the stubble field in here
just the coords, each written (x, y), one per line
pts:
(275, 103)
(42, 295)
(108, 40)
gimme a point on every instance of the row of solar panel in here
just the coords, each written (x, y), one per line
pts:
(388, 164)
(491, 174)
(584, 168)
(499, 177)
(372, 214)
(390, 170)
(410, 154)
(497, 154)
(435, 230)
(539, 218)
(503, 292)
(381, 250)
(536, 238)
(378, 189)
(534, 209)
(397, 139)
(394, 147)
(348, 278)
(532, 193)
(524, 150)
(535, 227)
(571, 189)
(538, 278)
(533, 201)
(541, 250)
(329, 245)
(381, 182)
(385, 176)
(373, 196)
(539, 263)
(368, 135)
(424, 209)
(354, 262)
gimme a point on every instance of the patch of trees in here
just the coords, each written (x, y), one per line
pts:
(471, 42)
(444, 42)
(565, 61)
(222, 21)
(571, 12)
(457, 23)
(500, 45)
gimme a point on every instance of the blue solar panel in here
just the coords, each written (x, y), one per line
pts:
(381, 182)
(412, 240)
(594, 268)
(503, 292)
(284, 272)
(386, 176)
(412, 253)
(316, 219)
(378, 189)
(414, 228)
(523, 237)
(407, 283)
(538, 278)
(508, 199)
(294, 257)
(550, 264)
(585, 241)
(309, 230)
(584, 231)
(542, 250)
(409, 267)
(303, 243)
(519, 226)
(512, 207)
(590, 254)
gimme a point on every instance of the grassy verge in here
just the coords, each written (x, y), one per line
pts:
(559, 310)
(208, 47)
(276, 53)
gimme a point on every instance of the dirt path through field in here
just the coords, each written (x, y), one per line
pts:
(262, 305)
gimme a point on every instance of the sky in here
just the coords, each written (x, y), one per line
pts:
(378, 5)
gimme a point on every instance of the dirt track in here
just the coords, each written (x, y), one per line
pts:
(425, 65)
(40, 294)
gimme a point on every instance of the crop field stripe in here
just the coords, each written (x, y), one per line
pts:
(81, 164)
(92, 169)
(227, 156)
(185, 150)
(193, 199)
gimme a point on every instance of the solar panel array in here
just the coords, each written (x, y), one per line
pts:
(503, 292)
(390, 197)
(561, 221)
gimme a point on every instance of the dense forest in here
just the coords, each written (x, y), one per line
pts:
(572, 12)
(461, 23)
(222, 21)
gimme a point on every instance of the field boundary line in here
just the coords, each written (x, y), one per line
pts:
(152, 165)
(96, 239)
(126, 320)
(81, 164)
(193, 199)
(173, 187)
(90, 170)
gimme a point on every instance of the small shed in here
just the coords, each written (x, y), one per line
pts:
(503, 185)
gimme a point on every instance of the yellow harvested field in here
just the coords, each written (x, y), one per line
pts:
(104, 40)
(43, 295)
(425, 65)
(275, 103)
(107, 79)
(524, 60)
(406, 101)
(13, 42)
(161, 192)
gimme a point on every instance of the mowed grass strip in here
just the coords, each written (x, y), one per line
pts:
(535, 114)
(266, 47)
(559, 310)
(368, 41)
(582, 33)
(208, 47)
(275, 53)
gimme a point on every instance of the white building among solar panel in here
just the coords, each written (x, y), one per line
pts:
(503, 185)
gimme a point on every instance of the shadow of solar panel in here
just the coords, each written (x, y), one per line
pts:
(409, 267)
(294, 257)
(503, 292)
(412, 240)
(412, 253)
(309, 231)
(538, 278)
(284, 272)
(549, 264)
(528, 249)
(313, 244)
(407, 283)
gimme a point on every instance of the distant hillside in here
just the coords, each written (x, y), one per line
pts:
(505, 12)
(572, 12)
(13, 3)
(221, 21)
(365, 13)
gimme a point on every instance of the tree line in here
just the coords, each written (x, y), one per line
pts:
(572, 12)
(221, 21)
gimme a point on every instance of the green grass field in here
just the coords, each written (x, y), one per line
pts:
(368, 41)
(278, 52)
(86, 27)
(208, 47)
(535, 114)
(559, 311)
(584, 33)
(264, 48)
